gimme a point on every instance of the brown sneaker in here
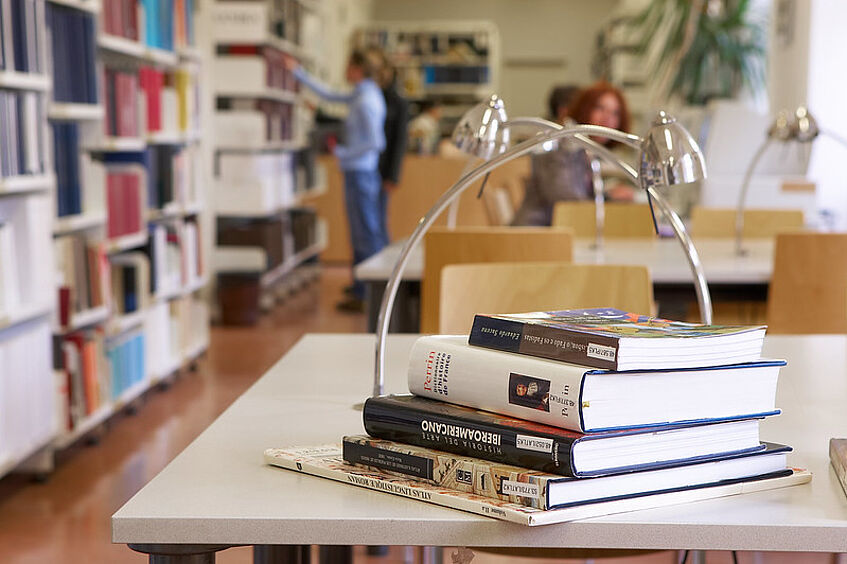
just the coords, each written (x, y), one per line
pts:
(351, 305)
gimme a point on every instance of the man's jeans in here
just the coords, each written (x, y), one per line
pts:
(366, 207)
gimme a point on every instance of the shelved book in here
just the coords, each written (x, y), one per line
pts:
(468, 432)
(838, 458)
(617, 340)
(447, 368)
(327, 461)
(549, 491)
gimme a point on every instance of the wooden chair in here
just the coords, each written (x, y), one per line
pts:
(808, 290)
(467, 289)
(720, 222)
(622, 219)
(483, 244)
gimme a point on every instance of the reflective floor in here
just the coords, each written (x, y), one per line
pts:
(66, 519)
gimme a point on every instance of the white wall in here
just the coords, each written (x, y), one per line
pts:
(342, 17)
(827, 83)
(788, 54)
(529, 30)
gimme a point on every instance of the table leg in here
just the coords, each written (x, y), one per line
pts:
(406, 316)
(431, 554)
(698, 557)
(333, 554)
(282, 554)
(180, 553)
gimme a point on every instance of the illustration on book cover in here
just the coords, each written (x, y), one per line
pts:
(615, 322)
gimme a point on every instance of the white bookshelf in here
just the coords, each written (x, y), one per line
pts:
(23, 315)
(81, 222)
(28, 400)
(126, 242)
(74, 112)
(137, 50)
(259, 187)
(421, 50)
(28, 205)
(24, 81)
(26, 183)
(90, 6)
(87, 318)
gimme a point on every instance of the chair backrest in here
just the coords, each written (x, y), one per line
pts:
(808, 291)
(498, 205)
(467, 289)
(720, 222)
(622, 219)
(484, 244)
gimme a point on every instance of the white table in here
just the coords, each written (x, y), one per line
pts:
(728, 275)
(218, 491)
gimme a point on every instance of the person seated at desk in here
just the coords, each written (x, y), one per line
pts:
(564, 173)
(424, 130)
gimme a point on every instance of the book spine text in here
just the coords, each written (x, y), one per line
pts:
(450, 433)
(545, 342)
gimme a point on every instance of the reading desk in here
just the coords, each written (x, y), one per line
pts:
(729, 276)
(218, 492)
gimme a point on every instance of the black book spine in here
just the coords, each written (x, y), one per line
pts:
(532, 339)
(404, 463)
(401, 423)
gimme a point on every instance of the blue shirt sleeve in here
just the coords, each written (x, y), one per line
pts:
(322, 90)
(370, 138)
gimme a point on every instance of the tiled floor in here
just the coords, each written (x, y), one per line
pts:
(67, 519)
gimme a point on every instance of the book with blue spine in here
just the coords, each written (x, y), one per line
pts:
(447, 368)
(507, 440)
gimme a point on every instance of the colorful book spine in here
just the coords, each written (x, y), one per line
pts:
(596, 338)
(327, 462)
(446, 470)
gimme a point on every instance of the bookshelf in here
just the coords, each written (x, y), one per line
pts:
(26, 295)
(261, 179)
(456, 63)
(101, 156)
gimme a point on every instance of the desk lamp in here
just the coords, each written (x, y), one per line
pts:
(482, 133)
(801, 127)
(669, 156)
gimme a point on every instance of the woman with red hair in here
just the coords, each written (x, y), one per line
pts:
(564, 173)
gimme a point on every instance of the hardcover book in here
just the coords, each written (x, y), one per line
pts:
(326, 461)
(470, 432)
(838, 458)
(565, 395)
(617, 340)
(547, 491)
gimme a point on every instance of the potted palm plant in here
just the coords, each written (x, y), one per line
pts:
(702, 49)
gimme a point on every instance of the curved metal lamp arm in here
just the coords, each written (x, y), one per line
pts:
(835, 137)
(742, 197)
(427, 220)
(521, 149)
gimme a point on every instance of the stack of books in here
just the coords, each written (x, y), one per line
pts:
(553, 416)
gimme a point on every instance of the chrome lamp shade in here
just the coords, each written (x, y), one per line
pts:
(482, 131)
(669, 156)
(800, 126)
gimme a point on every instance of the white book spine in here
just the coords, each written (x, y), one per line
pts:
(9, 283)
(447, 369)
(93, 181)
(236, 74)
(233, 21)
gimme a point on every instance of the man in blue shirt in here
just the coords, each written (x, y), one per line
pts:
(358, 157)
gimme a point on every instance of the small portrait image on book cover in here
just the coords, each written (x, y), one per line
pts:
(529, 392)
